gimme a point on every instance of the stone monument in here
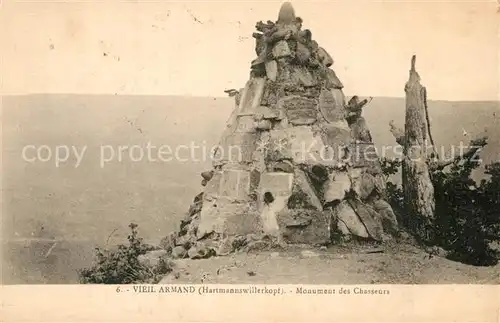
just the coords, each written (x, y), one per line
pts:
(296, 161)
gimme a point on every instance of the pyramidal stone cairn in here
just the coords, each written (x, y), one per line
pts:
(296, 163)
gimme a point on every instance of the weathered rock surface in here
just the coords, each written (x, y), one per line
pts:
(349, 222)
(369, 218)
(331, 105)
(305, 226)
(296, 162)
(336, 187)
(324, 57)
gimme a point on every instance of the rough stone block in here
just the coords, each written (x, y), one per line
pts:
(301, 75)
(272, 70)
(332, 105)
(213, 185)
(301, 144)
(264, 112)
(332, 80)
(235, 184)
(324, 57)
(350, 220)
(303, 54)
(243, 222)
(272, 91)
(338, 138)
(254, 181)
(335, 188)
(279, 147)
(252, 95)
(245, 123)
(263, 125)
(343, 229)
(217, 213)
(237, 148)
(364, 185)
(322, 153)
(209, 218)
(370, 218)
(306, 227)
(355, 175)
(303, 194)
(281, 49)
(302, 117)
(299, 110)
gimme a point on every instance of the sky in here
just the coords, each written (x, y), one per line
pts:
(202, 48)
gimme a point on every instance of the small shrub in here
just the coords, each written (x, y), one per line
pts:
(394, 193)
(467, 216)
(122, 266)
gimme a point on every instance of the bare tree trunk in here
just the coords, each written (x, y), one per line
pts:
(420, 160)
(417, 185)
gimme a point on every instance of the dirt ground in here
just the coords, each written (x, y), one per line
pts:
(396, 264)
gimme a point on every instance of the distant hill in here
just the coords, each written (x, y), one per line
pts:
(86, 204)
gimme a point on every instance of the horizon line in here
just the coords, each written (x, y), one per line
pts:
(212, 97)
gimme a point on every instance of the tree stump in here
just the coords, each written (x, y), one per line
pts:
(417, 185)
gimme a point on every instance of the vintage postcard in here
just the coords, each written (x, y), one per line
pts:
(250, 161)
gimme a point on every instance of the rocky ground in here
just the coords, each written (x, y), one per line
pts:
(396, 263)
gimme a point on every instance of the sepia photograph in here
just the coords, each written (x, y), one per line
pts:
(170, 145)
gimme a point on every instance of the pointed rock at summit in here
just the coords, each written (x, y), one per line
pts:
(286, 14)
